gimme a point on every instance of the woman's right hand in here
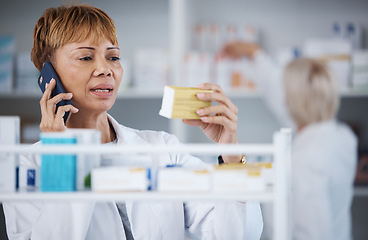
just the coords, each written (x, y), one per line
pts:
(51, 122)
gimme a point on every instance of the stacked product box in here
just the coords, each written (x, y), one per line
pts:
(120, 179)
(235, 178)
(69, 172)
(58, 171)
(9, 135)
(7, 50)
(151, 69)
(227, 178)
(26, 73)
(184, 179)
(337, 54)
(360, 70)
(86, 162)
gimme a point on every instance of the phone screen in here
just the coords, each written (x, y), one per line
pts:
(47, 73)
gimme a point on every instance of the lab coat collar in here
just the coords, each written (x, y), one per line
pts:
(124, 134)
(316, 126)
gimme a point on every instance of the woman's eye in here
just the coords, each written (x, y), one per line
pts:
(85, 58)
(115, 58)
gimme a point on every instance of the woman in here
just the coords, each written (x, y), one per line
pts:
(81, 44)
(324, 154)
(324, 151)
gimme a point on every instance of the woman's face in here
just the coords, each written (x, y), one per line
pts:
(91, 71)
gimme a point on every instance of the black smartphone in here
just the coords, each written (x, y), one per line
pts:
(47, 73)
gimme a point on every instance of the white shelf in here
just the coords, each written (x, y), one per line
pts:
(361, 191)
(279, 194)
(157, 94)
(137, 196)
(209, 149)
(243, 93)
(21, 95)
(353, 94)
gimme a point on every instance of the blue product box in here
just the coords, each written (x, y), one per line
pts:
(7, 44)
(7, 51)
(58, 171)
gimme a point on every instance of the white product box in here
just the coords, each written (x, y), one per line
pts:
(267, 171)
(9, 135)
(86, 162)
(237, 178)
(151, 69)
(116, 179)
(177, 179)
(360, 70)
(6, 73)
(249, 33)
(126, 81)
(196, 69)
(26, 73)
(337, 53)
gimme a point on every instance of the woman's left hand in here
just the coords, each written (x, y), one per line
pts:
(218, 122)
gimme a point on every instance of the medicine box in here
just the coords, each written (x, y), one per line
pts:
(182, 102)
(6, 73)
(86, 162)
(119, 179)
(25, 74)
(180, 179)
(58, 171)
(235, 178)
(9, 135)
(360, 70)
(7, 50)
(336, 53)
(267, 171)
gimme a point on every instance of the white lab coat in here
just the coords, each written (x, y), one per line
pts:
(324, 163)
(149, 220)
(324, 157)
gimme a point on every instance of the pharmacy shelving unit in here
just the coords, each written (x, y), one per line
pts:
(279, 193)
(131, 93)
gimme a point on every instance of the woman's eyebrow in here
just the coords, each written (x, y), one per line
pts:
(112, 48)
(89, 48)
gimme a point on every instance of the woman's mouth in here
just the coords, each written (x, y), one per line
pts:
(103, 91)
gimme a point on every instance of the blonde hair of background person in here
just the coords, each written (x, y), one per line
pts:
(81, 43)
(311, 91)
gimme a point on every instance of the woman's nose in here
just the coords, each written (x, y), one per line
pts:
(102, 68)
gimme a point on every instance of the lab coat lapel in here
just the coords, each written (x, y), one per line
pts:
(154, 220)
(151, 220)
(123, 134)
(168, 213)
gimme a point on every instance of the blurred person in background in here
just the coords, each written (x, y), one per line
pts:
(324, 153)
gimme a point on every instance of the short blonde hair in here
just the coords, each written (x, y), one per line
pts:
(311, 91)
(63, 25)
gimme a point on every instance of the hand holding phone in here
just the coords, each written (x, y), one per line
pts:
(48, 73)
